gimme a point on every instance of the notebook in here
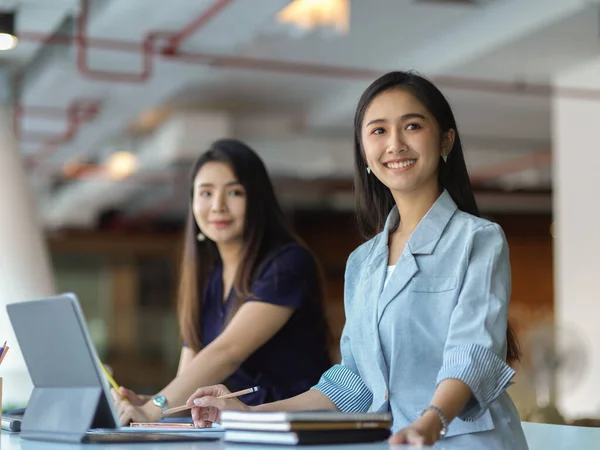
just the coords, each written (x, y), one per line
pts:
(303, 416)
(11, 420)
(307, 437)
(10, 423)
(304, 427)
(307, 425)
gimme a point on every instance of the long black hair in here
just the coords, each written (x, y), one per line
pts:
(374, 200)
(265, 229)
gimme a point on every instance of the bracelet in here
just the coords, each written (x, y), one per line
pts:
(438, 411)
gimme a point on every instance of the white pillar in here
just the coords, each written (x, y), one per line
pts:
(576, 185)
(25, 271)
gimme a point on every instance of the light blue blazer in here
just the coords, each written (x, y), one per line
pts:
(442, 314)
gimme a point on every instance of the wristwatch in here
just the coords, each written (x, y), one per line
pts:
(161, 402)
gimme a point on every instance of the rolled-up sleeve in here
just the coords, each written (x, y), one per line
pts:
(475, 349)
(342, 384)
(345, 389)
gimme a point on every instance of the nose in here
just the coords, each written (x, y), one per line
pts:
(218, 203)
(395, 143)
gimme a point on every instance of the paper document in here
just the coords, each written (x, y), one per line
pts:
(170, 428)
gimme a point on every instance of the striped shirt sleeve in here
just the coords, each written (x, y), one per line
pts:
(345, 389)
(485, 373)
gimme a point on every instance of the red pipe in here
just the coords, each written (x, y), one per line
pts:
(51, 112)
(146, 47)
(301, 68)
(76, 115)
(68, 39)
(78, 112)
(82, 45)
(176, 41)
(236, 62)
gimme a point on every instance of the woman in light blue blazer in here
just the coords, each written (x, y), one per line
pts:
(426, 297)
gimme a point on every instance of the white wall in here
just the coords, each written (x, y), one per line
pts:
(576, 147)
(24, 266)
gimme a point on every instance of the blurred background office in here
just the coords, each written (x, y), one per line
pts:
(107, 103)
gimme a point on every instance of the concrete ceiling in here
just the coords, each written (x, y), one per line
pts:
(226, 66)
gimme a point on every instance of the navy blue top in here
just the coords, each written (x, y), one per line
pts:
(293, 360)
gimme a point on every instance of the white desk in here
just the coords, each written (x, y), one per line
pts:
(539, 437)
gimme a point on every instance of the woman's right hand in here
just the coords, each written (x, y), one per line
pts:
(206, 407)
(132, 397)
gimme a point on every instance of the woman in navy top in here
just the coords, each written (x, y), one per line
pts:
(286, 364)
(250, 303)
(426, 296)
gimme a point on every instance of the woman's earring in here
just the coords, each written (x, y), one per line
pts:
(369, 170)
(445, 158)
(200, 237)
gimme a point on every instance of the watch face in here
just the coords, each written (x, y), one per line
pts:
(159, 400)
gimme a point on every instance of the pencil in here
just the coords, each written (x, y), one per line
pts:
(3, 352)
(232, 395)
(110, 379)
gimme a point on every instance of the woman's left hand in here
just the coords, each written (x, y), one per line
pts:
(127, 412)
(418, 433)
(409, 436)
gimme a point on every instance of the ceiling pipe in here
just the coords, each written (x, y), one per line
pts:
(176, 41)
(78, 112)
(146, 48)
(77, 115)
(308, 69)
(117, 45)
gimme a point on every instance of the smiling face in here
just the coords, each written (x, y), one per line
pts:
(219, 203)
(402, 142)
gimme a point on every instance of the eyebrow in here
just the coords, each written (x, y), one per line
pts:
(403, 118)
(230, 183)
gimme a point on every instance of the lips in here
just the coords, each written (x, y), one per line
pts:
(221, 223)
(398, 164)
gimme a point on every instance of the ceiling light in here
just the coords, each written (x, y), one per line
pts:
(307, 15)
(121, 164)
(149, 119)
(8, 38)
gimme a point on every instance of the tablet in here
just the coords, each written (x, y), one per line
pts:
(71, 396)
